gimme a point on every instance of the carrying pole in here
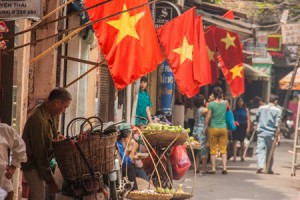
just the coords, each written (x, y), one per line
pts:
(296, 143)
(285, 105)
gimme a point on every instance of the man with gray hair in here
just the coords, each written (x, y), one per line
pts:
(40, 129)
(268, 117)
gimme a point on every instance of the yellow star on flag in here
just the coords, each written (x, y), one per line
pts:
(237, 71)
(185, 51)
(126, 24)
(229, 41)
(211, 54)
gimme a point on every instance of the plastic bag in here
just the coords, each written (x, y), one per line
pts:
(180, 161)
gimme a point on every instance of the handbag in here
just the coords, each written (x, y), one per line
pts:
(230, 120)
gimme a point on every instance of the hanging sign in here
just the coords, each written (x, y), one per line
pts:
(290, 33)
(18, 9)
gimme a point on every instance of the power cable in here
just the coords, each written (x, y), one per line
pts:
(86, 24)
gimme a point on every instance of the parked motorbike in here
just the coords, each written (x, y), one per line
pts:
(287, 125)
(118, 186)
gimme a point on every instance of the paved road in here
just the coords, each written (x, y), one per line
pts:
(242, 182)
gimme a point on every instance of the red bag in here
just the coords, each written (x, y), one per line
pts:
(180, 161)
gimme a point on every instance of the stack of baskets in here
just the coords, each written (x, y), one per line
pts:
(88, 152)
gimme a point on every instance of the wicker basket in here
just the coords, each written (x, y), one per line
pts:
(164, 138)
(98, 151)
(182, 196)
(148, 196)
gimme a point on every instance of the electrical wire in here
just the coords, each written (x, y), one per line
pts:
(86, 24)
(58, 19)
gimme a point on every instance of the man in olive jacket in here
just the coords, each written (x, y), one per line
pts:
(40, 129)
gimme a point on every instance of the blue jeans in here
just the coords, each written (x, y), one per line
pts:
(264, 145)
(140, 172)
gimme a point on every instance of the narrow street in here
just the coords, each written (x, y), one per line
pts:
(243, 183)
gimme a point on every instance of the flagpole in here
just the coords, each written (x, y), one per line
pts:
(84, 74)
(55, 20)
(64, 40)
(51, 13)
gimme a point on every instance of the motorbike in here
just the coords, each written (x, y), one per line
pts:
(287, 125)
(118, 186)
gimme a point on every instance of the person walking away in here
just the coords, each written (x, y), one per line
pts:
(12, 153)
(40, 129)
(217, 131)
(268, 117)
(199, 135)
(143, 104)
(242, 119)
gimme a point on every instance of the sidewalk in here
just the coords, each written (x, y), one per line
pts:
(242, 182)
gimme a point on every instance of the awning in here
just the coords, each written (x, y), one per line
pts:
(254, 74)
(285, 81)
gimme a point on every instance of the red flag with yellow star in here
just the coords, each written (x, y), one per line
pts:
(177, 39)
(231, 59)
(202, 69)
(212, 54)
(229, 47)
(234, 77)
(128, 40)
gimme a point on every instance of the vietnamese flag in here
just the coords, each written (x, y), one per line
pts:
(212, 54)
(202, 68)
(128, 40)
(235, 77)
(177, 40)
(231, 59)
(229, 47)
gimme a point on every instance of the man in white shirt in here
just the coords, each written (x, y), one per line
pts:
(11, 144)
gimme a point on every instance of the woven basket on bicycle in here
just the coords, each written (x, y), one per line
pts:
(165, 138)
(90, 151)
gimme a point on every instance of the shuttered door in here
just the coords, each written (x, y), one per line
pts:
(106, 94)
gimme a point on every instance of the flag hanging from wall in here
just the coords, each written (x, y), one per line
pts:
(183, 51)
(128, 40)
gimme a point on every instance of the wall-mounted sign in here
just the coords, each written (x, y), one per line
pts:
(164, 12)
(167, 88)
(17, 9)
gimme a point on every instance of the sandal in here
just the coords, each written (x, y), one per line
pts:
(211, 172)
(224, 172)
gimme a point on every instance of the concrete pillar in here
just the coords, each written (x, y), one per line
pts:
(83, 83)
(73, 72)
(91, 84)
(21, 86)
(43, 72)
(266, 90)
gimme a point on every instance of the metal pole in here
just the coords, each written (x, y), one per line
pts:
(285, 105)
